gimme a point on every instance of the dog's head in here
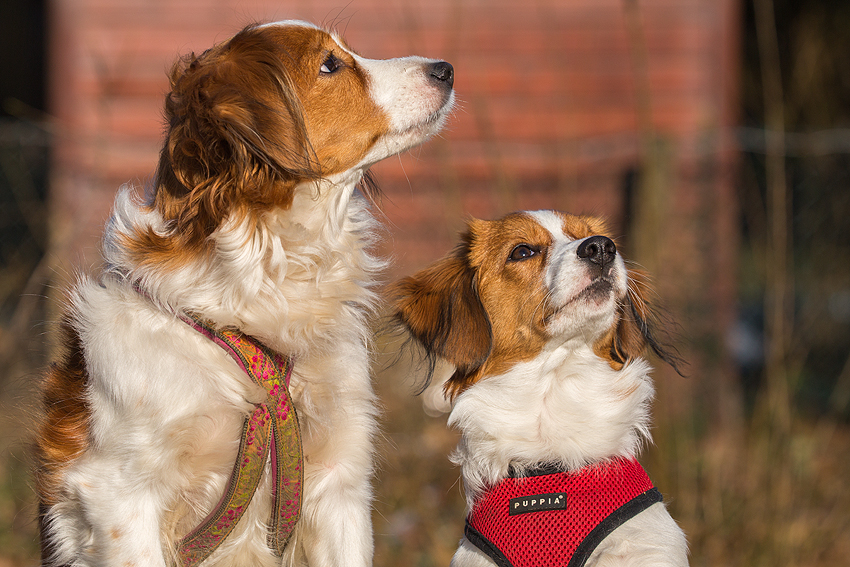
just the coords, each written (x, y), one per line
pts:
(515, 285)
(280, 104)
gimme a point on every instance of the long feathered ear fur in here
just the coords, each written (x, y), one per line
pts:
(441, 309)
(235, 135)
(638, 328)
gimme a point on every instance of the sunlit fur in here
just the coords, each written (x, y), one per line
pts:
(547, 349)
(252, 221)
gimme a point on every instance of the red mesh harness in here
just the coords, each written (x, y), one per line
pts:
(551, 518)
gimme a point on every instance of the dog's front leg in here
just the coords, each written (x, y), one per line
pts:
(110, 519)
(467, 555)
(338, 424)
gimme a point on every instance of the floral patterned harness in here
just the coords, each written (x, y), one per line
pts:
(270, 431)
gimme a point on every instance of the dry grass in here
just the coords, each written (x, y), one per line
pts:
(747, 495)
(18, 545)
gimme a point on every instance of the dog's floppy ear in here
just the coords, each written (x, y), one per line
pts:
(441, 309)
(236, 135)
(638, 328)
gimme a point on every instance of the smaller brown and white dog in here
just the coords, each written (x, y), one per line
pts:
(546, 328)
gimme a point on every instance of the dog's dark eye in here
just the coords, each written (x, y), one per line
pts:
(522, 252)
(330, 65)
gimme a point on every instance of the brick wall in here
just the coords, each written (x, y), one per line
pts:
(561, 104)
(547, 92)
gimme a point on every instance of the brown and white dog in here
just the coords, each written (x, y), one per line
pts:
(252, 222)
(545, 327)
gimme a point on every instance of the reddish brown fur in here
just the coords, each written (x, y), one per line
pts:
(628, 340)
(342, 121)
(441, 308)
(248, 120)
(449, 306)
(63, 433)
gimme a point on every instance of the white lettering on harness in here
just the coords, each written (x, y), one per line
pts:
(538, 503)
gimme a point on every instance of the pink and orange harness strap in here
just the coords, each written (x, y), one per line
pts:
(270, 431)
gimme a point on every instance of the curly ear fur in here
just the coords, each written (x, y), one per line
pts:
(637, 328)
(441, 309)
(236, 135)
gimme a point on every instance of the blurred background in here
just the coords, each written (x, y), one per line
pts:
(713, 134)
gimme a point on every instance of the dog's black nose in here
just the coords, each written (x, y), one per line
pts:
(599, 250)
(443, 72)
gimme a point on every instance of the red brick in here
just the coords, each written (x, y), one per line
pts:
(547, 111)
